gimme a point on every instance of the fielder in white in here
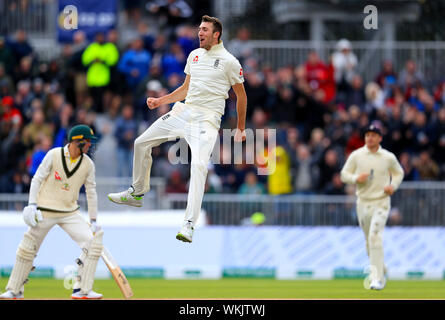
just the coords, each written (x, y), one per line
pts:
(210, 73)
(377, 174)
(53, 200)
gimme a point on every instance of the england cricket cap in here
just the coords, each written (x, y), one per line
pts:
(80, 132)
(373, 128)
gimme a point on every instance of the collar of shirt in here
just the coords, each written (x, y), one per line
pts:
(216, 47)
(369, 151)
(67, 155)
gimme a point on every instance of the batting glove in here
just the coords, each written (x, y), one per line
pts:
(31, 215)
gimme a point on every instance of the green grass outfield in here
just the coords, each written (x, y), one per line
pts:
(243, 289)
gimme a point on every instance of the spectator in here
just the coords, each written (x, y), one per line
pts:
(147, 37)
(335, 186)
(20, 46)
(319, 76)
(24, 70)
(387, 77)
(173, 61)
(7, 58)
(9, 113)
(171, 13)
(37, 126)
(410, 77)
(411, 173)
(279, 180)
(40, 150)
(251, 185)
(345, 64)
(356, 95)
(256, 90)
(305, 171)
(125, 133)
(187, 39)
(375, 99)
(99, 57)
(328, 167)
(134, 64)
(76, 88)
(241, 47)
(427, 167)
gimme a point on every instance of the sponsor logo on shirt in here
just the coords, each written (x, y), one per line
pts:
(57, 176)
(166, 117)
(66, 187)
(216, 64)
(195, 59)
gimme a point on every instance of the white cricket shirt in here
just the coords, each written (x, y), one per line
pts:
(212, 73)
(44, 175)
(383, 167)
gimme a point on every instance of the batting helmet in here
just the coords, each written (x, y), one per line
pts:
(80, 132)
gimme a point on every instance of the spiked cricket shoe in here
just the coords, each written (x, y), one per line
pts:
(186, 232)
(78, 295)
(10, 295)
(126, 197)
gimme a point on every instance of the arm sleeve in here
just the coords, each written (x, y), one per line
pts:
(187, 65)
(397, 173)
(235, 72)
(41, 174)
(90, 189)
(348, 174)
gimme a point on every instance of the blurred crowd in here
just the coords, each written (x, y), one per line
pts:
(318, 108)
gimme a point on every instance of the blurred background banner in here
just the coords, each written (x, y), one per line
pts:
(92, 16)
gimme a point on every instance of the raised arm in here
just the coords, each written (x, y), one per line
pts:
(178, 95)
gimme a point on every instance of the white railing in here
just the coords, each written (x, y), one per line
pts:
(429, 55)
(417, 203)
(104, 185)
(414, 204)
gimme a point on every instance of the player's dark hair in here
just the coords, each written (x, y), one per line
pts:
(217, 25)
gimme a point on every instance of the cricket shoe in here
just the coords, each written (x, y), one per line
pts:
(377, 285)
(127, 197)
(186, 232)
(78, 295)
(10, 295)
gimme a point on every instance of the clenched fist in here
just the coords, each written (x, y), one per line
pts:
(153, 103)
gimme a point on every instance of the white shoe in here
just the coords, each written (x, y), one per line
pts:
(10, 295)
(127, 197)
(376, 285)
(186, 232)
(91, 295)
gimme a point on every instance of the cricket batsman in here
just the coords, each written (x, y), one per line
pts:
(210, 73)
(377, 174)
(53, 200)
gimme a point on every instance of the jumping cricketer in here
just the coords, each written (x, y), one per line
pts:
(377, 174)
(53, 200)
(210, 73)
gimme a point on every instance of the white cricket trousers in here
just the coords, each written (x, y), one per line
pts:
(200, 131)
(372, 216)
(73, 224)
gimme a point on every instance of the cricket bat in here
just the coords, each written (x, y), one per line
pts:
(117, 274)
